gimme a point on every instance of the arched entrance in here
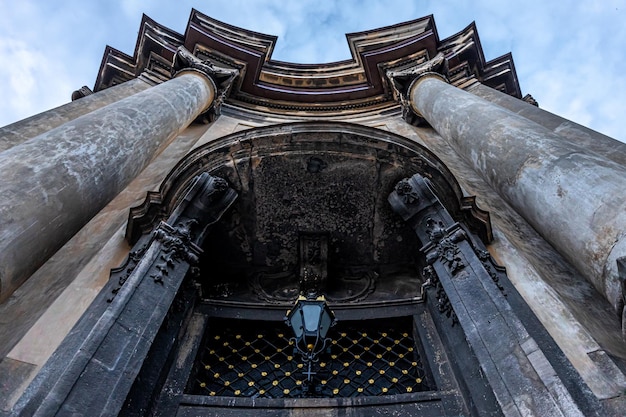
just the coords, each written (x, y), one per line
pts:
(191, 324)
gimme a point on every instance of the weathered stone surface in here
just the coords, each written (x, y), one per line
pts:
(522, 379)
(575, 199)
(14, 376)
(57, 294)
(578, 318)
(578, 134)
(53, 184)
(110, 343)
(18, 132)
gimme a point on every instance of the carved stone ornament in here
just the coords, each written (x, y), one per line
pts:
(445, 245)
(443, 302)
(122, 272)
(406, 191)
(400, 80)
(491, 267)
(530, 100)
(313, 263)
(222, 77)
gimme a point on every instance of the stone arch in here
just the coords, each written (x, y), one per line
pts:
(144, 332)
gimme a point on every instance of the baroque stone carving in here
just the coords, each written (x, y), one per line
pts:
(401, 79)
(530, 100)
(204, 204)
(406, 191)
(222, 77)
(176, 241)
(313, 263)
(443, 302)
(491, 267)
(123, 272)
(445, 247)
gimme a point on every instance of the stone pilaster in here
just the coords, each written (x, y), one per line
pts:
(574, 198)
(462, 277)
(54, 183)
(109, 344)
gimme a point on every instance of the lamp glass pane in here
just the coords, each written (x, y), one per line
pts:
(311, 313)
(296, 322)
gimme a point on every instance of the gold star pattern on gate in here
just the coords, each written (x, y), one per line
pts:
(257, 359)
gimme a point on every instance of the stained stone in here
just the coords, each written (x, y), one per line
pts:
(574, 198)
(19, 132)
(54, 183)
(582, 136)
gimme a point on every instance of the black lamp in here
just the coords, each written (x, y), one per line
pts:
(310, 320)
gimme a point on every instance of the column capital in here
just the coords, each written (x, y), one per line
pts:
(402, 82)
(221, 79)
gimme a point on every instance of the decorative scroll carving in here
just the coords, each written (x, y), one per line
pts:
(530, 100)
(449, 254)
(448, 248)
(443, 302)
(400, 81)
(176, 247)
(222, 77)
(491, 268)
(445, 247)
(207, 199)
(123, 272)
(284, 288)
(406, 191)
(176, 241)
(84, 91)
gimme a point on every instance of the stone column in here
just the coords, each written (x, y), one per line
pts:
(106, 349)
(54, 183)
(468, 291)
(589, 139)
(574, 198)
(19, 132)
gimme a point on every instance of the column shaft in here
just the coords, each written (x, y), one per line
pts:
(575, 199)
(54, 183)
(18, 132)
(589, 139)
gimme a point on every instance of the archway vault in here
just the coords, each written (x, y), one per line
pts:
(320, 179)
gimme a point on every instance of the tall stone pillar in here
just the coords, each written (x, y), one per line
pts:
(587, 138)
(574, 198)
(19, 132)
(54, 183)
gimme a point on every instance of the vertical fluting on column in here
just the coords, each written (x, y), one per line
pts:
(574, 198)
(54, 183)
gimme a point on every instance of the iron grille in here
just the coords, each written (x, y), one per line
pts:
(257, 359)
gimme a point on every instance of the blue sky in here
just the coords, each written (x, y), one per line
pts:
(569, 54)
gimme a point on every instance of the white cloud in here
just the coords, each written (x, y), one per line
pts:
(568, 54)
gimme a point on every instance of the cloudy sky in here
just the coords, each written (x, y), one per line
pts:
(569, 54)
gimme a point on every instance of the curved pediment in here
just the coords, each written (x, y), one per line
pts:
(351, 86)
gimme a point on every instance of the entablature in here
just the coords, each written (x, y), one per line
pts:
(350, 86)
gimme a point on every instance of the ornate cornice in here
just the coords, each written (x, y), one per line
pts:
(351, 86)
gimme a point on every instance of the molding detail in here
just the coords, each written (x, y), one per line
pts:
(401, 81)
(222, 78)
(443, 302)
(464, 281)
(353, 86)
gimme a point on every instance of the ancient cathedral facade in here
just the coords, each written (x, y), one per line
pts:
(210, 232)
